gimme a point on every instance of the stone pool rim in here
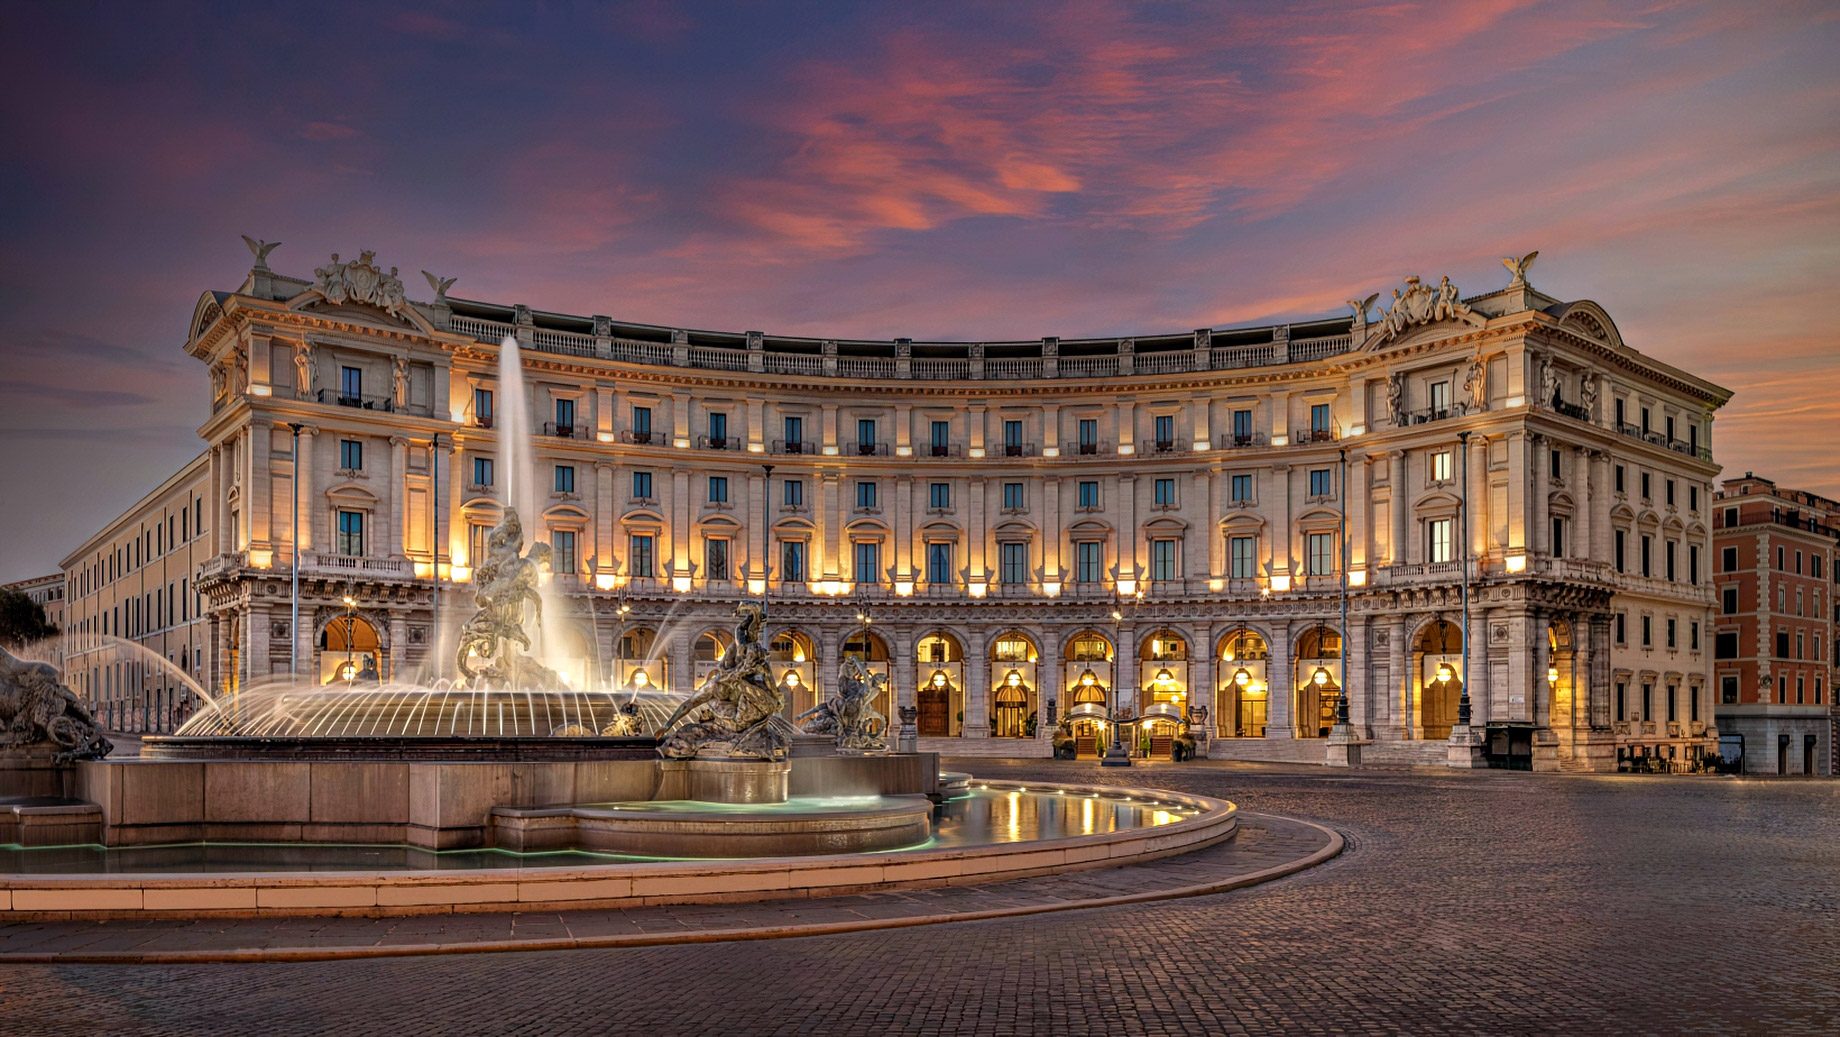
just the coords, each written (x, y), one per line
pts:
(621, 884)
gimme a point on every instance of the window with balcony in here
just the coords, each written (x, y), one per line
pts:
(482, 408)
(1320, 427)
(1438, 544)
(1012, 438)
(563, 558)
(1162, 560)
(1242, 428)
(865, 436)
(351, 385)
(718, 431)
(351, 533)
(565, 478)
(865, 495)
(792, 493)
(1440, 399)
(1646, 426)
(351, 455)
(1089, 495)
(792, 561)
(939, 571)
(793, 429)
(1012, 496)
(642, 485)
(1089, 435)
(482, 471)
(639, 555)
(1243, 550)
(1241, 488)
(715, 558)
(1440, 466)
(940, 438)
(1163, 430)
(565, 417)
(939, 496)
(1014, 567)
(1163, 492)
(1731, 517)
(868, 561)
(1088, 562)
(1322, 482)
(718, 489)
(1319, 551)
(642, 425)
(1668, 423)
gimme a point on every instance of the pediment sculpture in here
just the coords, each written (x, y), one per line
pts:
(361, 281)
(1422, 304)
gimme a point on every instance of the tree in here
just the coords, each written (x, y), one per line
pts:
(22, 620)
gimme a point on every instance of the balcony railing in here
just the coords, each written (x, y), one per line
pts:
(550, 428)
(1315, 435)
(338, 399)
(794, 446)
(1242, 440)
(1018, 450)
(641, 437)
(1427, 415)
(719, 443)
(1093, 449)
(1167, 446)
(941, 450)
(869, 450)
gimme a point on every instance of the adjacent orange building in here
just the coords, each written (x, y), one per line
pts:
(1776, 626)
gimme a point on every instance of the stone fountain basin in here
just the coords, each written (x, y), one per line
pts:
(800, 827)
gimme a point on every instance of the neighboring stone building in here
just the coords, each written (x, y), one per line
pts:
(1006, 528)
(47, 592)
(1774, 655)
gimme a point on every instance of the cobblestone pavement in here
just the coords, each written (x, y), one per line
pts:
(1466, 902)
(1264, 844)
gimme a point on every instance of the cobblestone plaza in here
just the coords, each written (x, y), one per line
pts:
(1464, 902)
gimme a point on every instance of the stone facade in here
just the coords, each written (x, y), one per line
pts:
(1776, 630)
(987, 522)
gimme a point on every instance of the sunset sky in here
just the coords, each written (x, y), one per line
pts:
(881, 170)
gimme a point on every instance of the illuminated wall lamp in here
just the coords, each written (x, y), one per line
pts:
(1281, 582)
(1517, 563)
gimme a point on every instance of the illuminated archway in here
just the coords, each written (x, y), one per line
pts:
(1245, 691)
(1318, 681)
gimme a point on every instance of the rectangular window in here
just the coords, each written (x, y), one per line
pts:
(1672, 693)
(1553, 466)
(482, 407)
(1089, 494)
(642, 485)
(565, 416)
(939, 495)
(1780, 564)
(351, 454)
(1728, 559)
(869, 561)
(1438, 547)
(1440, 466)
(1245, 558)
(1440, 398)
(1622, 694)
(1731, 517)
(1558, 537)
(792, 493)
(1619, 479)
(1693, 498)
(1668, 556)
(1012, 496)
(1622, 628)
(565, 478)
(715, 558)
(1693, 438)
(477, 534)
(792, 561)
(1089, 435)
(942, 438)
(1673, 629)
(639, 555)
(1668, 423)
(562, 548)
(1693, 636)
(1320, 549)
(939, 564)
(351, 533)
(351, 384)
(1648, 551)
(718, 489)
(718, 430)
(1622, 413)
(1693, 564)
(1164, 426)
(1648, 631)
(1242, 427)
(1668, 492)
(1012, 438)
(1162, 560)
(1319, 419)
(1164, 491)
(1621, 545)
(642, 424)
(1648, 702)
(1646, 426)
(1646, 481)
(482, 471)
(865, 435)
(865, 494)
(1242, 488)
(1015, 564)
(1728, 690)
(1089, 562)
(793, 431)
(1729, 599)
(1322, 482)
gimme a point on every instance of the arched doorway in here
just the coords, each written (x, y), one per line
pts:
(940, 698)
(350, 651)
(1439, 656)
(1245, 695)
(1088, 668)
(1318, 681)
(868, 648)
(1013, 693)
(793, 659)
(1563, 702)
(639, 661)
(1163, 670)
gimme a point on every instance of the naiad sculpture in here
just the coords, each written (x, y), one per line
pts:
(736, 711)
(850, 715)
(36, 709)
(504, 587)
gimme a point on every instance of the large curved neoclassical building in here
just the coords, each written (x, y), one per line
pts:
(1007, 529)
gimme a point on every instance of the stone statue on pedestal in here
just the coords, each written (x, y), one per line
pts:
(850, 715)
(37, 710)
(504, 586)
(736, 711)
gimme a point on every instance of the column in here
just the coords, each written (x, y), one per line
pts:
(260, 487)
(832, 567)
(1357, 496)
(309, 489)
(1124, 675)
(1357, 676)
(977, 527)
(1399, 502)
(1281, 681)
(759, 501)
(399, 474)
(1216, 543)
(1399, 679)
(677, 533)
(903, 556)
(1480, 521)
(1539, 538)
(1518, 485)
(1051, 682)
(903, 430)
(455, 534)
(977, 689)
(1050, 528)
(603, 516)
(1602, 532)
(399, 636)
(1202, 681)
(255, 641)
(1584, 500)
(1281, 533)
(1127, 426)
(905, 670)
(1127, 526)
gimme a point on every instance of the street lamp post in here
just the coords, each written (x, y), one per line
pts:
(766, 534)
(1341, 708)
(294, 557)
(1463, 706)
(351, 627)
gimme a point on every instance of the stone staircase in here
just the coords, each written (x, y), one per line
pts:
(1416, 753)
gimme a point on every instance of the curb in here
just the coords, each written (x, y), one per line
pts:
(1335, 846)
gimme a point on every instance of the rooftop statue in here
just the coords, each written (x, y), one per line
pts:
(736, 711)
(504, 588)
(1519, 267)
(1423, 304)
(361, 280)
(850, 715)
(36, 709)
